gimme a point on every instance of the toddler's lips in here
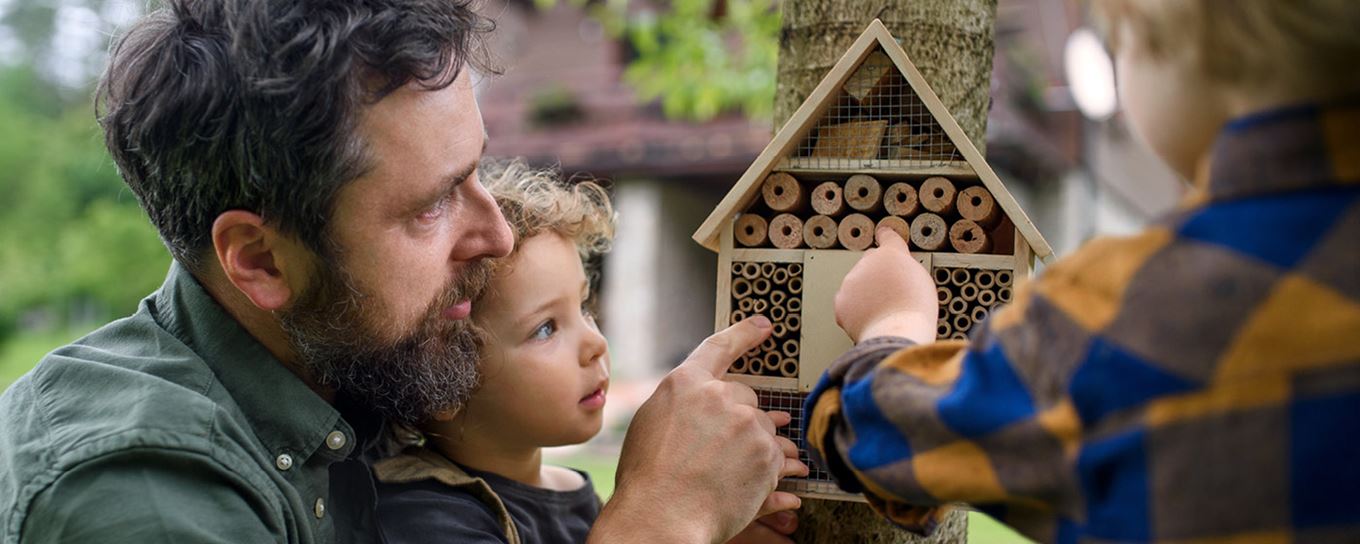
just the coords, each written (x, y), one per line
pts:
(593, 401)
(458, 311)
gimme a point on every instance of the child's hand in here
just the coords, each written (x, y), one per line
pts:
(888, 293)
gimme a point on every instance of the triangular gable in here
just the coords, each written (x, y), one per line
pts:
(818, 137)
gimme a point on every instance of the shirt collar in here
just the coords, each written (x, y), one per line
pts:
(1302, 147)
(286, 415)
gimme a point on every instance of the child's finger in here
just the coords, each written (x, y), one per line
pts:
(719, 351)
(890, 239)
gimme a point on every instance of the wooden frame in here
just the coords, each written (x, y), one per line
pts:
(875, 38)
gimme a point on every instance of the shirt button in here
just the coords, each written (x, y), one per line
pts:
(319, 509)
(335, 440)
(283, 461)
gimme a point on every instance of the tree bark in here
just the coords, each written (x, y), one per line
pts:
(950, 42)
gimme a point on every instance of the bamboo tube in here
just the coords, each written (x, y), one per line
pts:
(740, 365)
(796, 269)
(750, 271)
(736, 268)
(827, 199)
(897, 224)
(752, 352)
(900, 199)
(767, 269)
(783, 193)
(788, 368)
(779, 330)
(941, 276)
(791, 348)
(786, 231)
(777, 313)
(985, 279)
(979, 314)
(929, 232)
(777, 297)
(820, 232)
(937, 195)
(746, 305)
(796, 285)
(772, 360)
(977, 205)
(794, 323)
(943, 311)
(986, 297)
(1003, 294)
(751, 230)
(768, 345)
(968, 292)
(943, 328)
(943, 294)
(737, 317)
(758, 306)
(962, 322)
(780, 276)
(961, 276)
(856, 232)
(863, 193)
(958, 306)
(1003, 278)
(795, 304)
(968, 237)
(958, 335)
(741, 288)
(761, 286)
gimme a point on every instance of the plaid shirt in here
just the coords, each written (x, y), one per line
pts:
(1199, 381)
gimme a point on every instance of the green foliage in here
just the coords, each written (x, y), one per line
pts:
(71, 234)
(701, 57)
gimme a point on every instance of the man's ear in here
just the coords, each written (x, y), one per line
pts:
(264, 265)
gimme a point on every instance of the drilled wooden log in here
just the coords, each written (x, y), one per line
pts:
(900, 199)
(863, 193)
(783, 193)
(929, 232)
(897, 224)
(820, 232)
(827, 199)
(977, 205)
(968, 237)
(751, 230)
(856, 232)
(937, 195)
(786, 231)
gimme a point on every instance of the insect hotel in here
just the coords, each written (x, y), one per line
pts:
(872, 145)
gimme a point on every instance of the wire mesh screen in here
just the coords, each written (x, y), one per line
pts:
(818, 480)
(877, 117)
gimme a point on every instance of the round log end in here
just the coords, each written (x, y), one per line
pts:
(827, 199)
(900, 199)
(937, 195)
(820, 232)
(863, 193)
(897, 224)
(976, 204)
(856, 232)
(751, 230)
(969, 237)
(929, 232)
(782, 192)
(786, 231)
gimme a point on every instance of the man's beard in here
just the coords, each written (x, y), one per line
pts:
(407, 375)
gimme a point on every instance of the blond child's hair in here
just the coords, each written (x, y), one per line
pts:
(1246, 43)
(535, 201)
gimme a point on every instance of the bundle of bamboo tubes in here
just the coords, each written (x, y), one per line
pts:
(967, 296)
(774, 290)
(934, 214)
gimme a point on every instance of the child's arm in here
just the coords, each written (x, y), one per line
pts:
(988, 422)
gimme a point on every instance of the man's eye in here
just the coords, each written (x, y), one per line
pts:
(544, 331)
(433, 213)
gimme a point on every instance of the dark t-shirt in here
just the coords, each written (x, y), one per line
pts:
(428, 512)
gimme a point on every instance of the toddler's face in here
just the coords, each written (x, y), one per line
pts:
(546, 364)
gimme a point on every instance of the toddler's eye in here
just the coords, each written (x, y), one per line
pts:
(544, 331)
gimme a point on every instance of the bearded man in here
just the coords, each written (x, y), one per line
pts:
(312, 167)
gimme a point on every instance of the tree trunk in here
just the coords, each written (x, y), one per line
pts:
(950, 42)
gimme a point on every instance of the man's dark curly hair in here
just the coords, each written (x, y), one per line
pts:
(215, 105)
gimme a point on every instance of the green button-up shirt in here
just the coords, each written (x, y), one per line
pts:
(172, 425)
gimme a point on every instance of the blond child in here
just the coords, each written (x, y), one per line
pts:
(480, 476)
(1199, 381)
